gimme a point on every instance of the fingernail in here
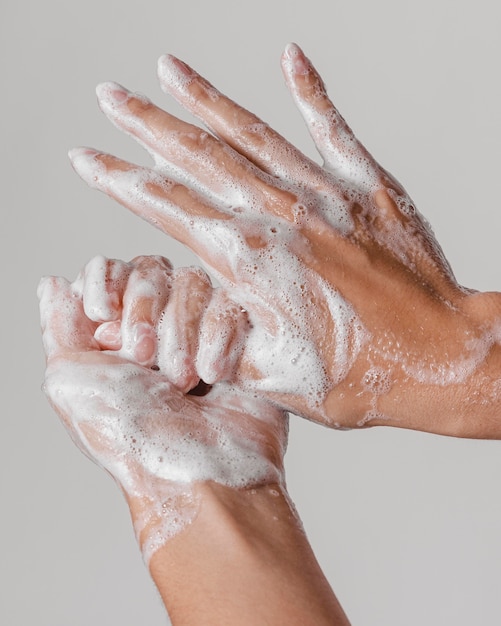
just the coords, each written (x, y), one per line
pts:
(292, 50)
(296, 56)
(112, 93)
(81, 152)
(171, 69)
(145, 343)
(85, 164)
(108, 334)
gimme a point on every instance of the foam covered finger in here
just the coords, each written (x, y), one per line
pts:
(168, 205)
(144, 300)
(109, 335)
(238, 127)
(181, 150)
(222, 337)
(178, 331)
(65, 327)
(333, 138)
(102, 284)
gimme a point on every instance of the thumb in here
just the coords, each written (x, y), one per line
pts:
(65, 327)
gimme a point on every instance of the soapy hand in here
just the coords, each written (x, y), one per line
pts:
(158, 316)
(354, 315)
(130, 419)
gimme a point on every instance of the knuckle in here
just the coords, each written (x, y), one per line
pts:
(254, 131)
(202, 93)
(141, 107)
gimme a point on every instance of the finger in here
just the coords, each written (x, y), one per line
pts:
(334, 139)
(65, 327)
(179, 329)
(239, 128)
(145, 298)
(109, 335)
(184, 151)
(169, 206)
(102, 283)
(222, 336)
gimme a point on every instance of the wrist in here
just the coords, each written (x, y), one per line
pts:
(169, 508)
(465, 400)
(445, 379)
(246, 556)
(161, 512)
(481, 408)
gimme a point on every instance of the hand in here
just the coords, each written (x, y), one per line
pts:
(355, 316)
(210, 466)
(155, 315)
(157, 442)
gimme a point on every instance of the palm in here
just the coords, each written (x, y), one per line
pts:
(133, 422)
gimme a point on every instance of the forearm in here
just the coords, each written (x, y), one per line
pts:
(244, 559)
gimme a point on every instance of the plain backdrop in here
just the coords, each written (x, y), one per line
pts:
(405, 525)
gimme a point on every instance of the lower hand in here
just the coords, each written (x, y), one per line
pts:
(157, 442)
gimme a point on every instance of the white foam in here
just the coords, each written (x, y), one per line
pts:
(155, 441)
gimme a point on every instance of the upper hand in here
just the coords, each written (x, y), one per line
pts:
(355, 314)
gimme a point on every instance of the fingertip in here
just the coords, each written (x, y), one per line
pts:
(103, 309)
(173, 73)
(111, 94)
(294, 60)
(292, 50)
(42, 286)
(163, 64)
(188, 383)
(84, 162)
(81, 152)
(210, 373)
(165, 69)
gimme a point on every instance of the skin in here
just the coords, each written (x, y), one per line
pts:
(421, 351)
(160, 316)
(426, 355)
(207, 542)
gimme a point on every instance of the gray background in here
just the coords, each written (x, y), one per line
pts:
(405, 525)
